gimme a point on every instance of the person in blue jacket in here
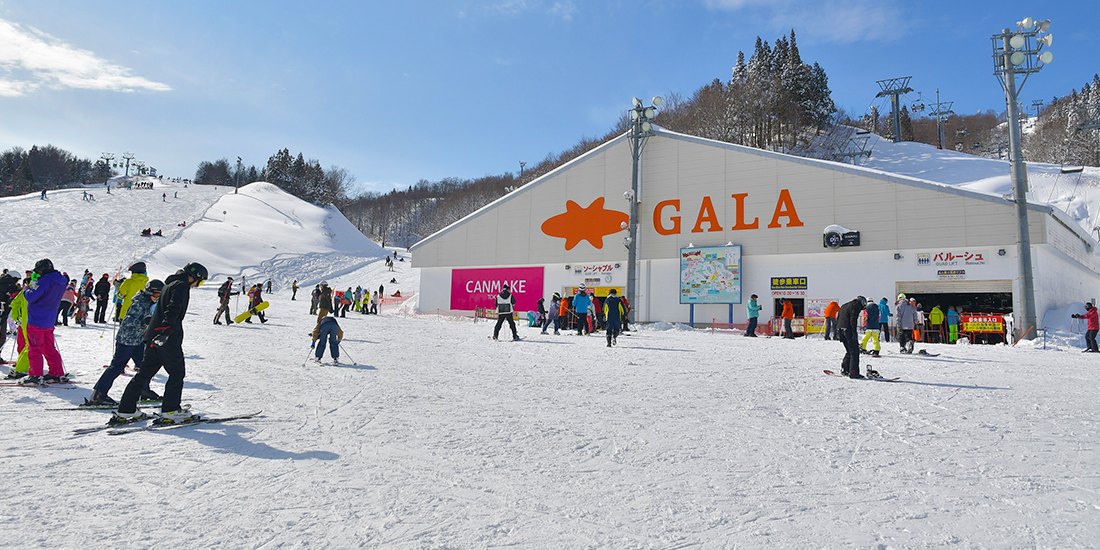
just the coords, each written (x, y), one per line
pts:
(884, 319)
(581, 300)
(753, 310)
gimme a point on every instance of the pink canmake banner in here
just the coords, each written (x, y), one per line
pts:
(474, 288)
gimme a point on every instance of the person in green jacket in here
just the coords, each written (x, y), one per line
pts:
(130, 287)
(753, 310)
(19, 315)
(936, 318)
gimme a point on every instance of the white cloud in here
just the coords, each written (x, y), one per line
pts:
(31, 59)
(563, 10)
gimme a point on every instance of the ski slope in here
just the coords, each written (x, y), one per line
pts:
(430, 435)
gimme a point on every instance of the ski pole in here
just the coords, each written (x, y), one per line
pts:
(344, 351)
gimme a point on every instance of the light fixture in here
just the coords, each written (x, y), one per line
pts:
(730, 243)
(1027, 23)
(637, 102)
(691, 245)
(657, 99)
(641, 129)
(1046, 58)
(1043, 26)
(1017, 41)
(1001, 252)
(1046, 40)
(897, 256)
(1018, 58)
(568, 267)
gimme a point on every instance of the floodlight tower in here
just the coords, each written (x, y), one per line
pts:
(1021, 53)
(641, 128)
(894, 87)
(942, 110)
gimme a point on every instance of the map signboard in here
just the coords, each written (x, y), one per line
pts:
(710, 275)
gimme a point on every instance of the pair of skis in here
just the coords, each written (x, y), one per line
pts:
(158, 423)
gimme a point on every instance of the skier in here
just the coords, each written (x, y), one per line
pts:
(847, 319)
(68, 298)
(1092, 328)
(328, 329)
(43, 299)
(224, 293)
(505, 303)
(129, 288)
(294, 289)
(164, 341)
(613, 312)
(19, 315)
(753, 311)
(128, 345)
(872, 329)
(9, 288)
(102, 298)
(952, 325)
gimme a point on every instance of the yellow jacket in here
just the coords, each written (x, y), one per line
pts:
(130, 287)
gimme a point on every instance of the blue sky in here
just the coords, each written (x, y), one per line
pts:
(399, 91)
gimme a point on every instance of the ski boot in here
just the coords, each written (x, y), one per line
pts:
(181, 416)
(121, 418)
(51, 379)
(32, 381)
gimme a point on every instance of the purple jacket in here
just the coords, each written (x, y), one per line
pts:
(42, 302)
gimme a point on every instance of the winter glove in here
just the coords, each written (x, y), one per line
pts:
(313, 345)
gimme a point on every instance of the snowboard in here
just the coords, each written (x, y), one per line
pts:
(831, 373)
(259, 307)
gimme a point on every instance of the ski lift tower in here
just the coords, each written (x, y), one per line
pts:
(894, 87)
(942, 110)
(1021, 53)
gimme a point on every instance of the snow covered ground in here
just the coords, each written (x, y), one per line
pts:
(430, 435)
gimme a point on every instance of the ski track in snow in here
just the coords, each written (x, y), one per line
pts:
(429, 435)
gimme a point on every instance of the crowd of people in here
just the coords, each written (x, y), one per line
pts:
(150, 332)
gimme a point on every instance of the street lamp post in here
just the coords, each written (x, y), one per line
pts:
(1021, 53)
(641, 128)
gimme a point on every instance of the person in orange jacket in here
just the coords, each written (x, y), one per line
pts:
(788, 316)
(830, 320)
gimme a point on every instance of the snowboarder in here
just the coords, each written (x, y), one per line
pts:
(884, 318)
(164, 341)
(847, 321)
(872, 329)
(505, 303)
(831, 311)
(294, 289)
(327, 330)
(128, 345)
(43, 299)
(255, 298)
(1092, 328)
(314, 299)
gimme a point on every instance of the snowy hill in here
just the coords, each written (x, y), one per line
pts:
(428, 434)
(1078, 195)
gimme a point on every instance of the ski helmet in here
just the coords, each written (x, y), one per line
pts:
(196, 270)
(324, 283)
(43, 266)
(138, 267)
(901, 296)
(862, 301)
(154, 286)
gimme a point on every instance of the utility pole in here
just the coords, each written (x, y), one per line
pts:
(128, 156)
(942, 110)
(238, 184)
(107, 158)
(894, 87)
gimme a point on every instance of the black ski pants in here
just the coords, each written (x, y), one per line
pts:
(500, 322)
(101, 310)
(1090, 339)
(850, 365)
(169, 356)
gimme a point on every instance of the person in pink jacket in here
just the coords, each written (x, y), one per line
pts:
(1093, 327)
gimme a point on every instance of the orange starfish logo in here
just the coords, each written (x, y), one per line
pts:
(590, 224)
